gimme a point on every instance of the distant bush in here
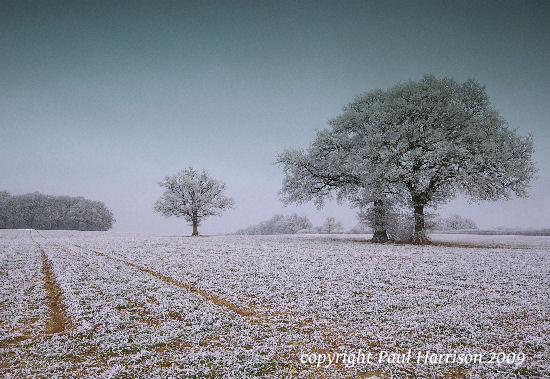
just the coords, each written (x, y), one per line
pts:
(46, 212)
(279, 224)
(454, 222)
(330, 226)
(360, 229)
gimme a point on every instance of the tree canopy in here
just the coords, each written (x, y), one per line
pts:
(194, 196)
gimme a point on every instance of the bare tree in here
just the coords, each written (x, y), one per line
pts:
(331, 226)
(193, 196)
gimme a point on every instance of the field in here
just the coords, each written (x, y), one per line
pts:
(106, 304)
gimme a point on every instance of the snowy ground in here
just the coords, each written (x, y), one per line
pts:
(150, 305)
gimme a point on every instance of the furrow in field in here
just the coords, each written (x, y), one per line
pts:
(140, 308)
(58, 320)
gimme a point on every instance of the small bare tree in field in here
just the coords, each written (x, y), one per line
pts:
(193, 196)
(332, 226)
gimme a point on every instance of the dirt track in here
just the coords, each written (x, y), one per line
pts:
(58, 320)
(189, 287)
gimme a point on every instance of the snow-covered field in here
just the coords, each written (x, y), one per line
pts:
(150, 305)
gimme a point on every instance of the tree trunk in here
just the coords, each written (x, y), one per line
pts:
(419, 236)
(195, 227)
(379, 222)
(380, 236)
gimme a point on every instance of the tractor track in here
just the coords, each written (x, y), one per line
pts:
(58, 320)
(242, 311)
(217, 300)
(251, 315)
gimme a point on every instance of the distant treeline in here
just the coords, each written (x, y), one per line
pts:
(39, 211)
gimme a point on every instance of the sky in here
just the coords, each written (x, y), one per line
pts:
(103, 99)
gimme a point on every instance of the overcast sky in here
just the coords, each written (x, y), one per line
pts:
(103, 99)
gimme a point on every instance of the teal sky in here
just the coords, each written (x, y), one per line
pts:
(102, 99)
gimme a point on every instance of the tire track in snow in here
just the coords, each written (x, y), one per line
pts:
(242, 311)
(140, 308)
(58, 320)
(252, 316)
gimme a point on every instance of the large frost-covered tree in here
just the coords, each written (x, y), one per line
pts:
(332, 165)
(192, 195)
(420, 143)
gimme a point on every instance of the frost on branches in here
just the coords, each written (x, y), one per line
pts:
(193, 196)
(415, 145)
(326, 168)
